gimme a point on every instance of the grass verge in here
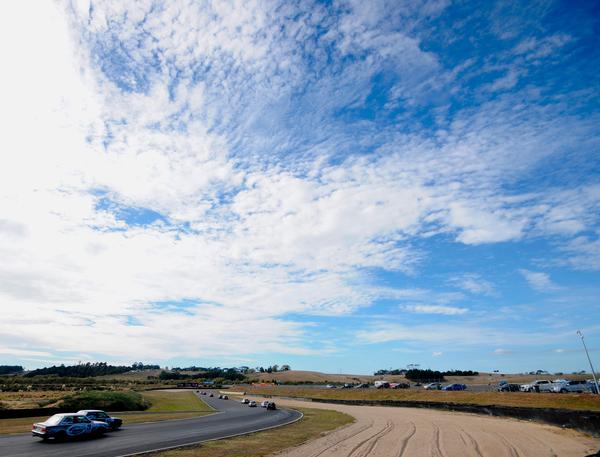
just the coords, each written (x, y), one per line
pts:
(169, 401)
(314, 424)
(580, 402)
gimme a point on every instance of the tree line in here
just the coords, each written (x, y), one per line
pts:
(85, 370)
(10, 369)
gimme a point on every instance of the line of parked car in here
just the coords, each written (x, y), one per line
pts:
(556, 386)
(87, 422)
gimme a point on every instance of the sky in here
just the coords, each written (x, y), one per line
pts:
(341, 186)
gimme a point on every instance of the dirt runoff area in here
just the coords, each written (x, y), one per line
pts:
(413, 432)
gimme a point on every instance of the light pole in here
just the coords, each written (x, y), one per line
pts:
(589, 360)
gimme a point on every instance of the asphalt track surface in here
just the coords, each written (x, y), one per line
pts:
(232, 418)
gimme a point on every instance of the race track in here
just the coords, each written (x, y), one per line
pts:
(233, 418)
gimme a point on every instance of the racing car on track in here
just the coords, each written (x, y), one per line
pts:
(69, 425)
(98, 415)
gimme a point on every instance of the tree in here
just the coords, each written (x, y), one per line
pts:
(285, 368)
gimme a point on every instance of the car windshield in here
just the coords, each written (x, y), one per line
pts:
(54, 420)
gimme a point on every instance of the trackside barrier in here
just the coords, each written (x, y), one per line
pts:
(584, 421)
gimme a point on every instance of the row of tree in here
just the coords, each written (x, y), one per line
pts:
(230, 374)
(84, 370)
(10, 369)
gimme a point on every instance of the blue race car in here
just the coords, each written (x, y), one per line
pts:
(455, 387)
(68, 425)
(98, 415)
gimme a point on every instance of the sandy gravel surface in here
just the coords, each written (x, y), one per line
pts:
(412, 432)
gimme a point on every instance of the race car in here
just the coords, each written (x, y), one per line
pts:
(69, 425)
(98, 415)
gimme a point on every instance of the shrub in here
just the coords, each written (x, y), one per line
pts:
(109, 401)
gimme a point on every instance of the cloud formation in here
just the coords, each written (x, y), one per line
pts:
(225, 175)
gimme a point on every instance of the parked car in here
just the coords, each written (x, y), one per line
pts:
(252, 404)
(362, 386)
(455, 387)
(592, 386)
(348, 386)
(245, 401)
(264, 404)
(540, 385)
(271, 406)
(330, 386)
(505, 386)
(570, 386)
(97, 415)
(225, 397)
(399, 385)
(69, 425)
(433, 386)
(211, 395)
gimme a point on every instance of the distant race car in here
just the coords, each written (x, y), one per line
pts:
(455, 387)
(69, 425)
(264, 404)
(271, 406)
(252, 404)
(98, 415)
(432, 386)
(245, 401)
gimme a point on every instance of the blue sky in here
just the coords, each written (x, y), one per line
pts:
(341, 186)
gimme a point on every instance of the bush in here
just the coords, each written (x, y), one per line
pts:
(109, 401)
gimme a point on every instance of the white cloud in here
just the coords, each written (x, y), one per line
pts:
(249, 236)
(540, 281)
(501, 351)
(437, 354)
(435, 309)
(473, 283)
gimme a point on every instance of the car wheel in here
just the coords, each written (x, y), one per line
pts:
(61, 436)
(563, 391)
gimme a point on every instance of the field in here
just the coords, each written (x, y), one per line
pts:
(533, 400)
(165, 406)
(313, 425)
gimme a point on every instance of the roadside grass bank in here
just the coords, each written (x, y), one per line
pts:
(164, 406)
(577, 402)
(314, 424)
(169, 401)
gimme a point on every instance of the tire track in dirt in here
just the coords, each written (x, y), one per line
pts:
(345, 438)
(514, 452)
(436, 444)
(370, 442)
(406, 439)
(470, 442)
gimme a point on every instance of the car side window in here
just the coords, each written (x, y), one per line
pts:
(67, 421)
(82, 420)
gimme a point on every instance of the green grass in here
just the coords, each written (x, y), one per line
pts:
(587, 401)
(165, 401)
(314, 424)
(106, 400)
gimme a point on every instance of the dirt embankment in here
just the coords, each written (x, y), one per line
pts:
(409, 432)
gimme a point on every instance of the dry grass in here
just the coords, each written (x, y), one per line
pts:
(30, 399)
(533, 400)
(315, 423)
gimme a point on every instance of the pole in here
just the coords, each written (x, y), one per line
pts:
(589, 360)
